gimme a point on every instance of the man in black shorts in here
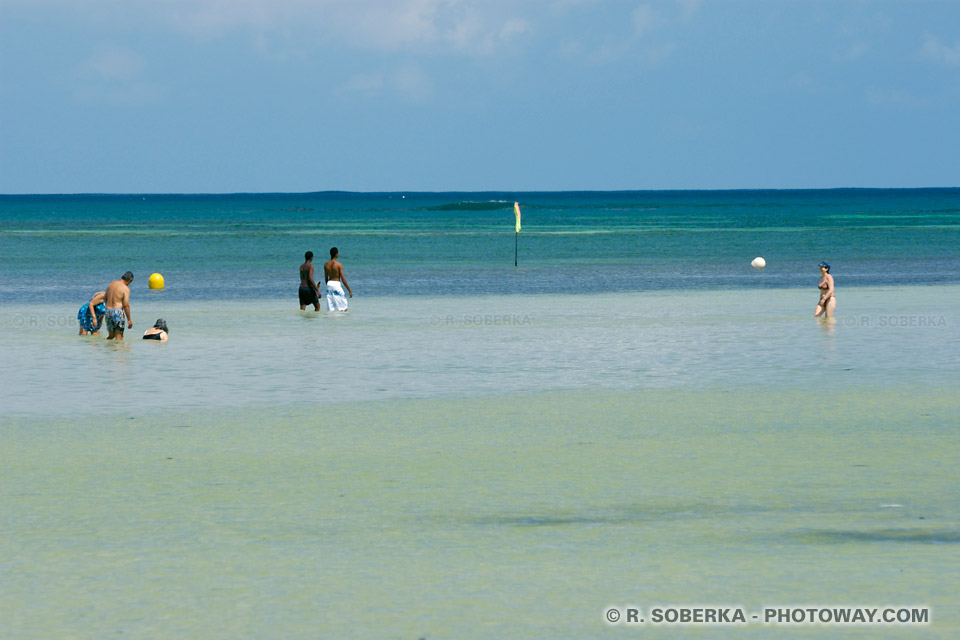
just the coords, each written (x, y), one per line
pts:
(309, 294)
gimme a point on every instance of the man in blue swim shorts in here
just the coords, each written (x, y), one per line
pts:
(118, 307)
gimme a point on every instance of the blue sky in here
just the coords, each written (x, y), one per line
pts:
(212, 96)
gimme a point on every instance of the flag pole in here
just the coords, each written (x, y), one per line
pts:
(516, 237)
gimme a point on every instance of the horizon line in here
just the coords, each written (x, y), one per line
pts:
(455, 191)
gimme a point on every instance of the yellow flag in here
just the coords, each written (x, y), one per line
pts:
(516, 211)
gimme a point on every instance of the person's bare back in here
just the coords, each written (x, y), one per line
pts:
(332, 270)
(333, 276)
(117, 295)
(117, 301)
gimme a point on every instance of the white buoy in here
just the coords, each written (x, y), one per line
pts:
(758, 263)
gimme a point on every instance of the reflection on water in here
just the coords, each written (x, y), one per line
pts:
(268, 352)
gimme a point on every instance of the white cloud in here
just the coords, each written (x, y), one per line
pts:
(689, 7)
(632, 43)
(658, 55)
(513, 28)
(803, 81)
(892, 98)
(389, 25)
(465, 26)
(111, 62)
(608, 52)
(114, 75)
(644, 19)
(412, 83)
(857, 51)
(472, 28)
(933, 49)
(214, 18)
(468, 32)
(409, 82)
(363, 83)
(472, 36)
(566, 4)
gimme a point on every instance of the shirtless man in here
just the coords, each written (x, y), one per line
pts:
(333, 276)
(309, 293)
(118, 306)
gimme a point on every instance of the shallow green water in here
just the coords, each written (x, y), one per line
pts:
(521, 515)
(421, 467)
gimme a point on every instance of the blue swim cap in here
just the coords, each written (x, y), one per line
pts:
(825, 264)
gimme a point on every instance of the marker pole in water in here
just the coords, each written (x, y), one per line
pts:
(516, 238)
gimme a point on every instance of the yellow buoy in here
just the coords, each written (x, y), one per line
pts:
(156, 281)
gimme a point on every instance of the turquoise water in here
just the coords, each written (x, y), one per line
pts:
(633, 417)
(244, 246)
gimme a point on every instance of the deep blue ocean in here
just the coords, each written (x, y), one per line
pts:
(211, 247)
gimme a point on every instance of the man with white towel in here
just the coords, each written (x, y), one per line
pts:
(333, 276)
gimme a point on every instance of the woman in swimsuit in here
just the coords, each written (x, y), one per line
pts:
(157, 332)
(828, 301)
(91, 314)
